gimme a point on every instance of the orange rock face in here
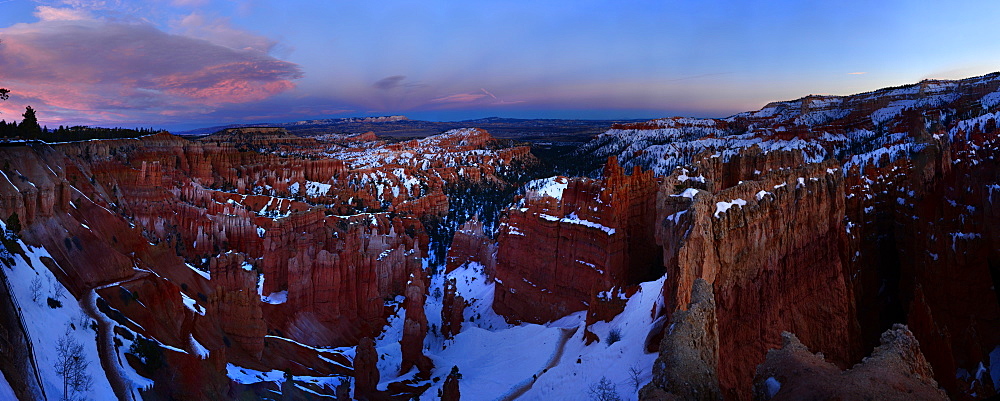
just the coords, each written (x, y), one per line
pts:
(452, 310)
(304, 239)
(415, 328)
(366, 375)
(773, 250)
(470, 244)
(896, 370)
(597, 231)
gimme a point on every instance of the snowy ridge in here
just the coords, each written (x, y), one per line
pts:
(820, 127)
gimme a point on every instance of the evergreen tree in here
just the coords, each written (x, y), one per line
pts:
(29, 127)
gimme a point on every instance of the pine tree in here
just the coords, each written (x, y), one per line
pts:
(29, 127)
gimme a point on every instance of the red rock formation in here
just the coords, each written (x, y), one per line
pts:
(598, 232)
(135, 210)
(926, 223)
(236, 304)
(450, 390)
(775, 261)
(366, 376)
(452, 310)
(415, 327)
(471, 244)
(896, 370)
(689, 353)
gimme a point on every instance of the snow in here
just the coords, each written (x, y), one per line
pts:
(676, 217)
(574, 219)
(773, 386)
(990, 100)
(45, 325)
(684, 177)
(196, 270)
(722, 207)
(995, 366)
(760, 195)
(688, 193)
(314, 189)
(497, 359)
(191, 304)
(6, 392)
(198, 349)
(275, 298)
(249, 376)
(552, 187)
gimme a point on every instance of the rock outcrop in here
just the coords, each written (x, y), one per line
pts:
(366, 375)
(451, 390)
(689, 353)
(595, 231)
(773, 250)
(415, 328)
(452, 310)
(896, 370)
(471, 244)
(247, 239)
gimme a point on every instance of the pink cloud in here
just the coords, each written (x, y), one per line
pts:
(459, 98)
(46, 13)
(101, 71)
(220, 31)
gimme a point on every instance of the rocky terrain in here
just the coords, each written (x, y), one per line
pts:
(759, 256)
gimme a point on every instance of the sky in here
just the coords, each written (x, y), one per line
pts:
(181, 64)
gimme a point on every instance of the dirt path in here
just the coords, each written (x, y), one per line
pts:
(524, 386)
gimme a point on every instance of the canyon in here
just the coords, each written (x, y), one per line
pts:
(850, 237)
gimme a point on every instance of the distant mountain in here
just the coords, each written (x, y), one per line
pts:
(402, 127)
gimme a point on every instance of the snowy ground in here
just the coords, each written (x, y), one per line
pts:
(45, 325)
(498, 360)
(6, 393)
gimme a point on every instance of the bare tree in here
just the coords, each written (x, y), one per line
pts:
(36, 290)
(58, 290)
(604, 390)
(71, 365)
(635, 376)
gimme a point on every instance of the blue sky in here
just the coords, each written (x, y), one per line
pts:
(185, 63)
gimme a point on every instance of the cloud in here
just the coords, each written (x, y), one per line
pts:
(459, 98)
(388, 83)
(857, 73)
(220, 31)
(482, 97)
(108, 71)
(46, 13)
(189, 3)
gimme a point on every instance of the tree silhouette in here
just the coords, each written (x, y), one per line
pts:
(4, 93)
(29, 127)
(71, 365)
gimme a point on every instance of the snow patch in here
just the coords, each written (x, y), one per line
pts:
(722, 207)
(275, 298)
(574, 219)
(688, 193)
(773, 386)
(552, 187)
